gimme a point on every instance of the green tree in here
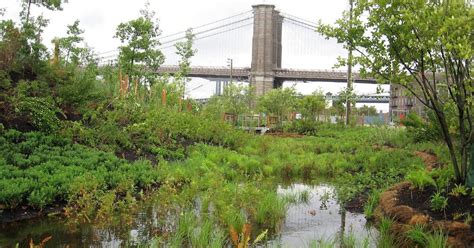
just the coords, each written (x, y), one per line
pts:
(185, 50)
(367, 110)
(49, 4)
(68, 46)
(236, 99)
(21, 47)
(139, 56)
(313, 105)
(427, 46)
(280, 102)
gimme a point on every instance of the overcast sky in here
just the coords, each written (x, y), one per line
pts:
(99, 19)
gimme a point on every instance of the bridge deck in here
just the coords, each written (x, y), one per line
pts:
(280, 74)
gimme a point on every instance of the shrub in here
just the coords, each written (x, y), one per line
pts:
(438, 202)
(40, 112)
(420, 179)
(303, 126)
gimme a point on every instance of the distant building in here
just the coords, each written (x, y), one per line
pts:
(403, 102)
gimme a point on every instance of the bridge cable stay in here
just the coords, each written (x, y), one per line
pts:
(206, 25)
(205, 31)
(229, 40)
(304, 48)
(183, 32)
(225, 25)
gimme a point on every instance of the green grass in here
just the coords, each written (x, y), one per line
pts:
(372, 203)
(385, 238)
(423, 238)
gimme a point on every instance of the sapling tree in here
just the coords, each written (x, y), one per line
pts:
(312, 106)
(185, 50)
(68, 46)
(280, 102)
(427, 46)
(236, 99)
(139, 55)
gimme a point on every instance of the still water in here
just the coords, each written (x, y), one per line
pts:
(318, 218)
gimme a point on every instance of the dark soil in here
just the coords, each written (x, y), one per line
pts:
(131, 156)
(26, 213)
(19, 123)
(420, 200)
(356, 204)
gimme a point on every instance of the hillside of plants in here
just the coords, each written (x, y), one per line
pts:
(87, 143)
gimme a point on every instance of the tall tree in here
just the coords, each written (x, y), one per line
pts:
(49, 4)
(139, 55)
(349, 64)
(427, 46)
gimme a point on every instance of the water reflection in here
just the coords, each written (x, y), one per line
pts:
(319, 218)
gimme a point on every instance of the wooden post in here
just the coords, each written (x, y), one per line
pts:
(127, 84)
(136, 87)
(120, 83)
(163, 97)
(189, 106)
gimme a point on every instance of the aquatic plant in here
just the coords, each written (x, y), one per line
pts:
(372, 203)
(271, 210)
(192, 232)
(243, 240)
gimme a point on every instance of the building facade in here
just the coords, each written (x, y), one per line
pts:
(403, 102)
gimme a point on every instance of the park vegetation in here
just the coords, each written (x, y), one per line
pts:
(96, 140)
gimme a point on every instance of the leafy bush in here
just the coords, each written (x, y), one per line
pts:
(305, 127)
(38, 170)
(420, 179)
(422, 130)
(40, 112)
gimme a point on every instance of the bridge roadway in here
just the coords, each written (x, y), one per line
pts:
(359, 99)
(243, 74)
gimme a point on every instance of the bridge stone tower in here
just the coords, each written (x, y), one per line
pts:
(266, 48)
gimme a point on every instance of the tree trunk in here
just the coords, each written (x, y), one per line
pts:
(449, 143)
(28, 12)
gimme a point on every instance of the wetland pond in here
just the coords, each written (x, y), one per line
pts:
(317, 217)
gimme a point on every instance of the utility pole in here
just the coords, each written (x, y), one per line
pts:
(230, 63)
(349, 68)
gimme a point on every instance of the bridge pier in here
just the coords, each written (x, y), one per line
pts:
(221, 85)
(266, 48)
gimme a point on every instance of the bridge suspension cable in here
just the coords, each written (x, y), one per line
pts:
(207, 30)
(211, 29)
(207, 24)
